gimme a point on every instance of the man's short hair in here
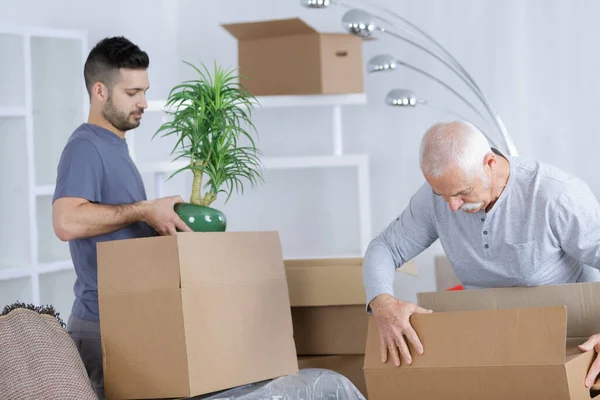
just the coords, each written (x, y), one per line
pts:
(108, 57)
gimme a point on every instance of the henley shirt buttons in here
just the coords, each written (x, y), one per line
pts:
(482, 219)
(486, 246)
(485, 232)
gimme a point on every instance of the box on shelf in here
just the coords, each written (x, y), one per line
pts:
(350, 366)
(505, 343)
(193, 313)
(288, 57)
(328, 305)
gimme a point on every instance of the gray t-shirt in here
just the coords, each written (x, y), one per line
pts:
(544, 229)
(95, 165)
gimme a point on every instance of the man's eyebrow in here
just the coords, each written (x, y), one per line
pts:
(138, 89)
(453, 195)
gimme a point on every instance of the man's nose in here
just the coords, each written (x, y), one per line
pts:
(143, 104)
(455, 203)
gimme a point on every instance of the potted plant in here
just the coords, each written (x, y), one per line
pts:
(211, 118)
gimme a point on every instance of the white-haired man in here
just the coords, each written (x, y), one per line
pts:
(522, 223)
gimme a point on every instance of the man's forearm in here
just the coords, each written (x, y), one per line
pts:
(378, 270)
(89, 219)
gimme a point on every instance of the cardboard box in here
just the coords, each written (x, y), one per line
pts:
(506, 343)
(350, 366)
(328, 305)
(288, 57)
(193, 313)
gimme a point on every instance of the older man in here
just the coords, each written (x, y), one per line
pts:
(521, 223)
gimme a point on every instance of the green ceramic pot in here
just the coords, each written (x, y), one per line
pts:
(200, 218)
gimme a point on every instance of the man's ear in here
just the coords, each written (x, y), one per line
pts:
(100, 92)
(490, 161)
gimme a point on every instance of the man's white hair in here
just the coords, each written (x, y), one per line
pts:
(453, 144)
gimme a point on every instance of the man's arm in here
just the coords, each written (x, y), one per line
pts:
(406, 237)
(77, 218)
(575, 223)
(77, 211)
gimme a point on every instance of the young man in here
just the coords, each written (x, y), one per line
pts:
(503, 221)
(99, 193)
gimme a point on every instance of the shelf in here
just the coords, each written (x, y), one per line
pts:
(13, 112)
(57, 83)
(12, 74)
(56, 289)
(273, 163)
(44, 190)
(306, 206)
(50, 247)
(15, 272)
(291, 101)
(14, 290)
(14, 201)
(55, 266)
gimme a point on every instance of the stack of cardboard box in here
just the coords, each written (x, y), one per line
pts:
(329, 314)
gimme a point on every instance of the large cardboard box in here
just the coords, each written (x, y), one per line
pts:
(193, 313)
(506, 343)
(328, 305)
(350, 366)
(288, 57)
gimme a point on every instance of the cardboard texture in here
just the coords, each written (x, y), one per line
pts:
(288, 57)
(495, 344)
(329, 305)
(193, 313)
(494, 354)
(350, 366)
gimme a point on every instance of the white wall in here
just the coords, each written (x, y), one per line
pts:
(536, 61)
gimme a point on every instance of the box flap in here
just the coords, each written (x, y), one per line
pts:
(223, 257)
(526, 336)
(325, 282)
(134, 265)
(581, 299)
(266, 29)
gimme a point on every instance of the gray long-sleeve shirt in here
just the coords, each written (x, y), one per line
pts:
(543, 229)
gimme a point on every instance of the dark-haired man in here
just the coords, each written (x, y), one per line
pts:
(99, 193)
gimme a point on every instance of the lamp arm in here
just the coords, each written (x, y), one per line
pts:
(456, 67)
(444, 84)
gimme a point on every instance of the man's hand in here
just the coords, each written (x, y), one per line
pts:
(593, 343)
(393, 321)
(160, 215)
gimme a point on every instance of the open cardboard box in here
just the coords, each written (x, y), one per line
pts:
(289, 57)
(193, 313)
(506, 343)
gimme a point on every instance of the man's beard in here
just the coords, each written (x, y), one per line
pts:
(466, 207)
(117, 118)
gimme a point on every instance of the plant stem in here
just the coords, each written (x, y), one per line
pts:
(196, 197)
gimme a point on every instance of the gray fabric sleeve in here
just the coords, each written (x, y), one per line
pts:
(576, 223)
(80, 172)
(403, 239)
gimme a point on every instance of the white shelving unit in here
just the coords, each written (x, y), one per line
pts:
(338, 159)
(42, 100)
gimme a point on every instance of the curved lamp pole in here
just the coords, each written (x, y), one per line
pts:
(407, 98)
(364, 24)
